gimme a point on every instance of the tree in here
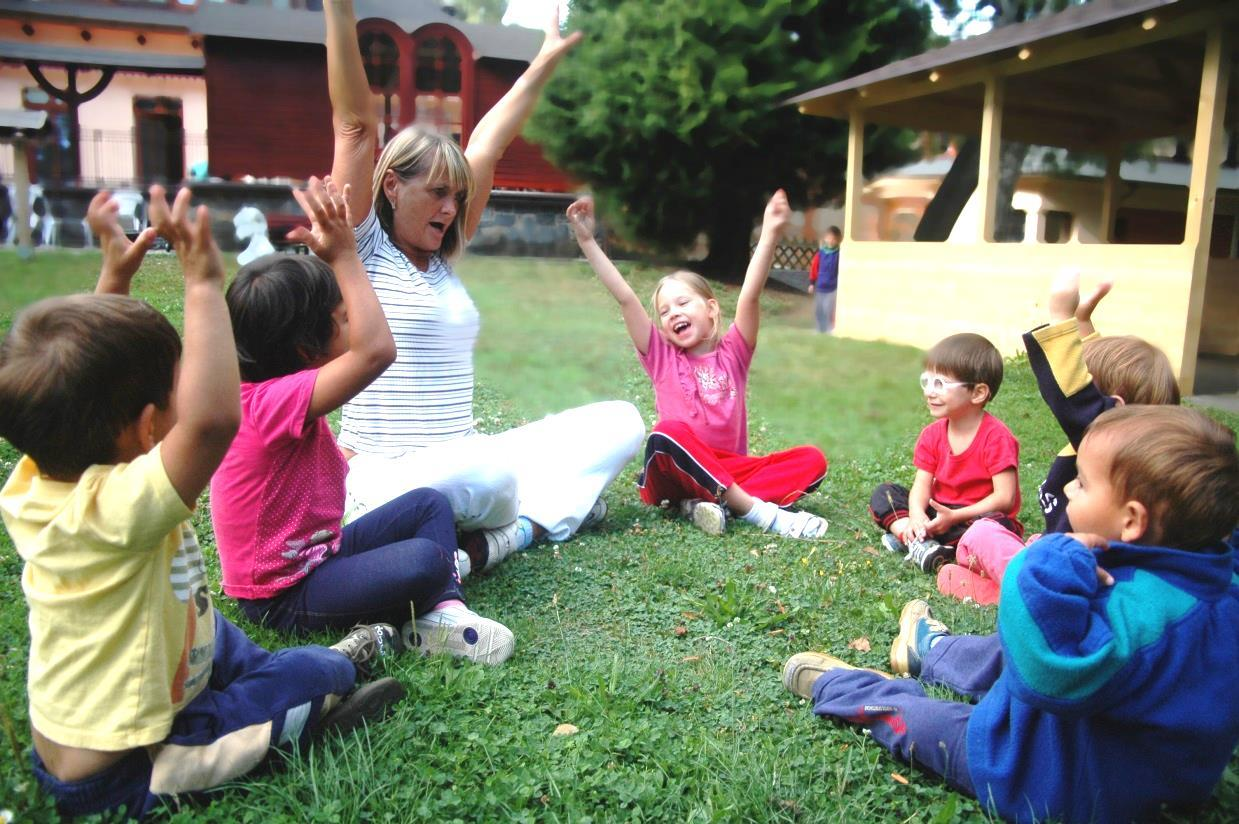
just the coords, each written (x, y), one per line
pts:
(673, 112)
(479, 11)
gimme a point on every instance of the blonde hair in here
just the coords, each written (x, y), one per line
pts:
(1178, 462)
(698, 285)
(1131, 368)
(415, 151)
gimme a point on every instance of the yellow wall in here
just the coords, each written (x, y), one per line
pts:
(918, 293)
(1219, 330)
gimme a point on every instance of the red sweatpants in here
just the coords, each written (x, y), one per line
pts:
(680, 466)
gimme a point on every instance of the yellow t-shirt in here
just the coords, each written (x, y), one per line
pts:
(122, 633)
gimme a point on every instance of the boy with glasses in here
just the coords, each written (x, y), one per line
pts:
(966, 460)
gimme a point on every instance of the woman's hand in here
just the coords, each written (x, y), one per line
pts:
(581, 216)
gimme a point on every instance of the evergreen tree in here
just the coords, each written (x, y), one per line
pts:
(673, 112)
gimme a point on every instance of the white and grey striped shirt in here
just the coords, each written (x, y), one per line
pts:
(426, 396)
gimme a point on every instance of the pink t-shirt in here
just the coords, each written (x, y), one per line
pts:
(278, 497)
(705, 392)
(964, 479)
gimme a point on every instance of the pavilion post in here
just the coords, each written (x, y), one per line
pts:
(855, 173)
(990, 155)
(1208, 148)
(1109, 193)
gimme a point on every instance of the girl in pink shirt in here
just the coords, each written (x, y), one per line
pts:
(310, 335)
(697, 455)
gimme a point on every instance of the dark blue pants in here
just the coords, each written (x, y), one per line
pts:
(255, 702)
(402, 553)
(915, 728)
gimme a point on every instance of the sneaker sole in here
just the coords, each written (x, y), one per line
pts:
(487, 642)
(909, 616)
(710, 519)
(369, 702)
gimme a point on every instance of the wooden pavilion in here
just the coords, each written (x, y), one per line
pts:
(1097, 78)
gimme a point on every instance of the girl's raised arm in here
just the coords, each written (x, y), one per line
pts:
(581, 215)
(500, 126)
(371, 348)
(353, 119)
(748, 306)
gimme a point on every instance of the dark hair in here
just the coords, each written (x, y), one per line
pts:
(969, 358)
(834, 230)
(281, 308)
(1181, 464)
(75, 371)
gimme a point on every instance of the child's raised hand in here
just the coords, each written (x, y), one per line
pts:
(581, 216)
(1064, 295)
(194, 244)
(121, 256)
(778, 215)
(330, 235)
(1084, 312)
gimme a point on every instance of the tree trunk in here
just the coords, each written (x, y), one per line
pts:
(729, 245)
(956, 187)
(960, 182)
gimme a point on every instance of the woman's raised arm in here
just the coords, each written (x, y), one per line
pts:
(500, 126)
(353, 119)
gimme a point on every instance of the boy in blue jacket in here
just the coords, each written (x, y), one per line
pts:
(1108, 690)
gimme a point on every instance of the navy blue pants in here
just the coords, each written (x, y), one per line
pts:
(402, 553)
(889, 503)
(254, 703)
(922, 731)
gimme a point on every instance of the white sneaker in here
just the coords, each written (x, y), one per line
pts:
(459, 631)
(792, 524)
(707, 516)
(596, 514)
(463, 565)
(503, 541)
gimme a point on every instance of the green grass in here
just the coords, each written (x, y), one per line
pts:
(662, 645)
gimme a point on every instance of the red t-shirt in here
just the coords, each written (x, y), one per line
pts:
(964, 479)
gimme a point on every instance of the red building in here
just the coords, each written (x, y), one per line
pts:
(263, 75)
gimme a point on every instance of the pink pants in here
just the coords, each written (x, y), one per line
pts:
(980, 561)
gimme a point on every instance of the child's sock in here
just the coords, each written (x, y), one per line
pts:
(762, 514)
(768, 517)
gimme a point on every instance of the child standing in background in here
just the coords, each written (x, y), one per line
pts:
(824, 279)
(697, 456)
(966, 460)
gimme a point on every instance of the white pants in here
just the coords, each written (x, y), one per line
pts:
(551, 471)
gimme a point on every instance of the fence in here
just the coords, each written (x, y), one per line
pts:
(109, 158)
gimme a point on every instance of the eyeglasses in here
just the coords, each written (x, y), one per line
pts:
(938, 384)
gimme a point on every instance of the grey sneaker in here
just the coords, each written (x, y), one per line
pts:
(369, 702)
(804, 668)
(917, 629)
(893, 544)
(595, 516)
(707, 516)
(365, 642)
(928, 554)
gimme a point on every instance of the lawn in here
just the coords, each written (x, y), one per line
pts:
(661, 645)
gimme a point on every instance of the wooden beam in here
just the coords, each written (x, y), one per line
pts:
(1208, 148)
(991, 151)
(855, 174)
(21, 198)
(1084, 44)
(1109, 193)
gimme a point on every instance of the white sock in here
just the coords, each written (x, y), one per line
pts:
(762, 514)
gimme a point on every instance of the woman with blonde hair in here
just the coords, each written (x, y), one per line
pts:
(415, 208)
